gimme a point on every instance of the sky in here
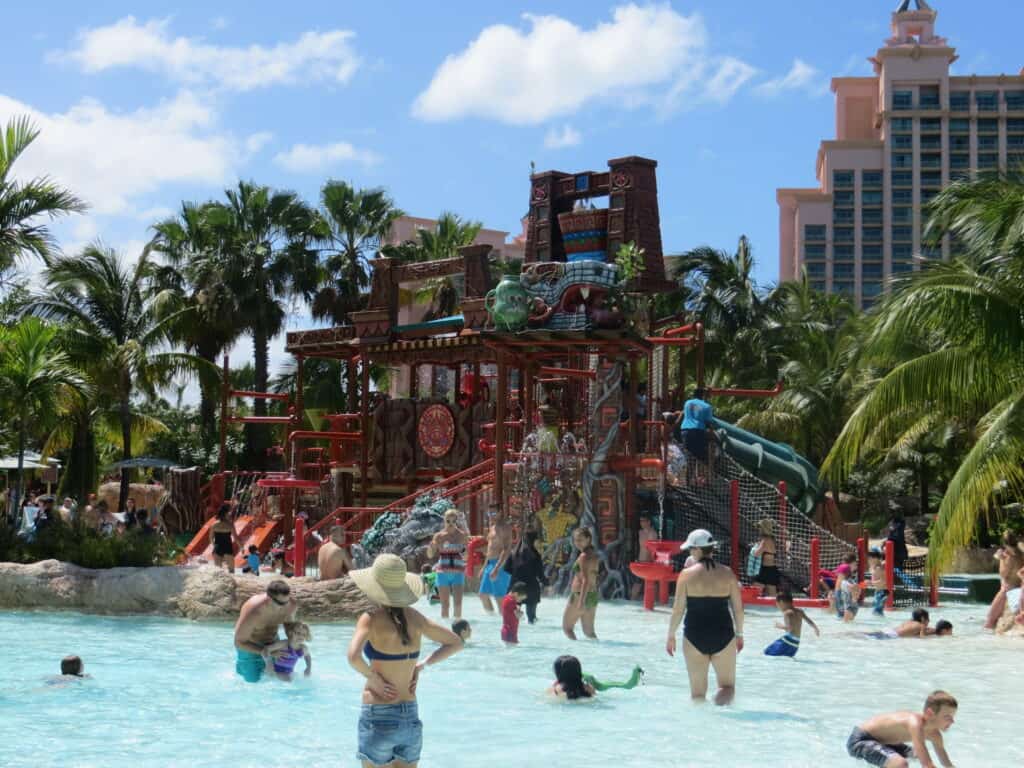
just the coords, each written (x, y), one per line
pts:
(143, 105)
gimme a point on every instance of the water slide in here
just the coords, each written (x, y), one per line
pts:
(263, 536)
(772, 462)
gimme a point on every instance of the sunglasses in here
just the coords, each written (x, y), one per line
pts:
(275, 595)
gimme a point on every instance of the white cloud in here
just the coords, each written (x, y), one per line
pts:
(219, 22)
(154, 214)
(258, 141)
(801, 76)
(313, 57)
(112, 158)
(302, 158)
(644, 55)
(567, 136)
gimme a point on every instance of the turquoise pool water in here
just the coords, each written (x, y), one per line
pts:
(164, 694)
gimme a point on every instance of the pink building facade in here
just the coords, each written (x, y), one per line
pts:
(901, 135)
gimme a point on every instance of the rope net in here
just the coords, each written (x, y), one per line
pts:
(911, 584)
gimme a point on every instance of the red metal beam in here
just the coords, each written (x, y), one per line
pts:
(258, 395)
(260, 419)
(578, 372)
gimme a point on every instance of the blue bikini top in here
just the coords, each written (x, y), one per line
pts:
(372, 654)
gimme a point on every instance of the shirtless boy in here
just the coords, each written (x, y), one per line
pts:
(257, 625)
(494, 580)
(333, 560)
(881, 741)
(793, 619)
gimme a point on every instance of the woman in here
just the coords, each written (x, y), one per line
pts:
(569, 682)
(712, 635)
(764, 551)
(106, 522)
(582, 605)
(1010, 562)
(130, 514)
(390, 731)
(225, 539)
(526, 566)
(449, 547)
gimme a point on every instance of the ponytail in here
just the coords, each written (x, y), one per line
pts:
(397, 616)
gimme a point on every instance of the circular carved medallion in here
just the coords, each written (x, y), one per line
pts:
(540, 193)
(436, 430)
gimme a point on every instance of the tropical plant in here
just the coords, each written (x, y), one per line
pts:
(450, 233)
(38, 384)
(23, 204)
(117, 330)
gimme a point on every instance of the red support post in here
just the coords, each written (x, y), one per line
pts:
(300, 547)
(862, 558)
(890, 575)
(815, 565)
(734, 526)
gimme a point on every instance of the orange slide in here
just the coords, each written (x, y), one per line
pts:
(262, 536)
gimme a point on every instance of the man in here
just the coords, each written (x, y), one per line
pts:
(691, 429)
(333, 560)
(257, 625)
(494, 580)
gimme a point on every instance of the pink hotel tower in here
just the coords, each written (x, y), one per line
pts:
(900, 136)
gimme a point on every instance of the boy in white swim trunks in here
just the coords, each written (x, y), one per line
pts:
(882, 740)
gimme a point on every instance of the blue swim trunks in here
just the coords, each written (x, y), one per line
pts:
(450, 578)
(250, 665)
(499, 586)
(787, 645)
(389, 732)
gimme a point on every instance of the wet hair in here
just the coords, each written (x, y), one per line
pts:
(459, 626)
(71, 665)
(279, 587)
(784, 597)
(942, 626)
(920, 615)
(939, 699)
(291, 627)
(519, 588)
(569, 675)
(397, 615)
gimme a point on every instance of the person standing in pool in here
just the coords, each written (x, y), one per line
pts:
(494, 580)
(527, 566)
(764, 551)
(708, 597)
(390, 730)
(257, 625)
(333, 559)
(793, 619)
(449, 547)
(583, 600)
(225, 539)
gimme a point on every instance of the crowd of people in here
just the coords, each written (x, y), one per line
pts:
(40, 511)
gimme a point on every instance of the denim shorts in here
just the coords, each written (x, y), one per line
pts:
(390, 732)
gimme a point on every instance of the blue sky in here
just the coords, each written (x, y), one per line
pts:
(446, 104)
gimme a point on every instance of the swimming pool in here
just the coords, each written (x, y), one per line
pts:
(164, 693)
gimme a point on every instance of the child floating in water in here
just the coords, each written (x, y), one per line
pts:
(461, 628)
(510, 612)
(297, 634)
(569, 683)
(882, 740)
(794, 618)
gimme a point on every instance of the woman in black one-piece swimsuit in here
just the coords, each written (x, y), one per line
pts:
(225, 540)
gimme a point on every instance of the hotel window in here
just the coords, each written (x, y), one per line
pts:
(902, 233)
(959, 161)
(960, 101)
(903, 178)
(931, 251)
(931, 125)
(931, 178)
(842, 199)
(902, 215)
(988, 125)
(987, 101)
(959, 125)
(814, 250)
(1015, 141)
(988, 161)
(873, 251)
(818, 285)
(927, 195)
(871, 234)
(842, 270)
(842, 252)
(928, 96)
(902, 141)
(815, 270)
(842, 216)
(901, 125)
(871, 179)
(959, 142)
(931, 142)
(871, 197)
(988, 142)
(842, 235)
(871, 290)
(814, 231)
(960, 174)
(902, 160)
(1014, 100)
(871, 216)
(902, 268)
(902, 100)
(1015, 125)
(903, 251)
(846, 288)
(931, 160)
(902, 196)
(842, 179)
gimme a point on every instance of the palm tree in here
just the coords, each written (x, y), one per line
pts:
(22, 204)
(267, 260)
(970, 368)
(117, 328)
(443, 242)
(194, 270)
(38, 383)
(357, 220)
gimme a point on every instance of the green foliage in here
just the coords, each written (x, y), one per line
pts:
(630, 261)
(85, 547)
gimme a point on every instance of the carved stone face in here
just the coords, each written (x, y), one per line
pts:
(508, 305)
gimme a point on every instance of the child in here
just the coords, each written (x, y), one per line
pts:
(280, 565)
(461, 628)
(877, 581)
(297, 634)
(430, 584)
(72, 666)
(882, 739)
(846, 594)
(569, 683)
(794, 618)
(943, 628)
(252, 560)
(510, 613)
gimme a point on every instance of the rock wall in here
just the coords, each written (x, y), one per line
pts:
(200, 593)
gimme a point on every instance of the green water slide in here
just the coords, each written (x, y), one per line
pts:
(772, 462)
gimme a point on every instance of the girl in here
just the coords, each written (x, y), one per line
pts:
(297, 634)
(449, 547)
(582, 605)
(569, 683)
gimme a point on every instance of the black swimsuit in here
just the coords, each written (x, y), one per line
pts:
(222, 544)
(708, 624)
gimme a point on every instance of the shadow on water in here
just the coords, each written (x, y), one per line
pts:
(764, 716)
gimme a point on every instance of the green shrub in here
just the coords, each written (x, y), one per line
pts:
(85, 547)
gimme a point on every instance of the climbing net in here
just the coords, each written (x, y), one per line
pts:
(911, 587)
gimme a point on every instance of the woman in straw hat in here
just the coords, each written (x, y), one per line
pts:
(390, 731)
(712, 633)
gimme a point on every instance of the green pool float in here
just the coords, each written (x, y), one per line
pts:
(633, 682)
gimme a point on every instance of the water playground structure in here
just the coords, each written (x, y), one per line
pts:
(545, 419)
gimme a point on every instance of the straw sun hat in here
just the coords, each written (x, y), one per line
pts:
(387, 582)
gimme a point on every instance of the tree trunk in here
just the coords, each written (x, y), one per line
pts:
(125, 416)
(923, 480)
(19, 494)
(208, 402)
(257, 435)
(80, 476)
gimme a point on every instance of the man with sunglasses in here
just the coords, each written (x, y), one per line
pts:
(257, 625)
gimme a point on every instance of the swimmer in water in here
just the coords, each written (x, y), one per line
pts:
(282, 656)
(569, 684)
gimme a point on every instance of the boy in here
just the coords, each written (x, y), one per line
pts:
(510, 613)
(461, 628)
(846, 594)
(252, 560)
(430, 584)
(70, 671)
(875, 559)
(794, 618)
(943, 628)
(915, 626)
(881, 741)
